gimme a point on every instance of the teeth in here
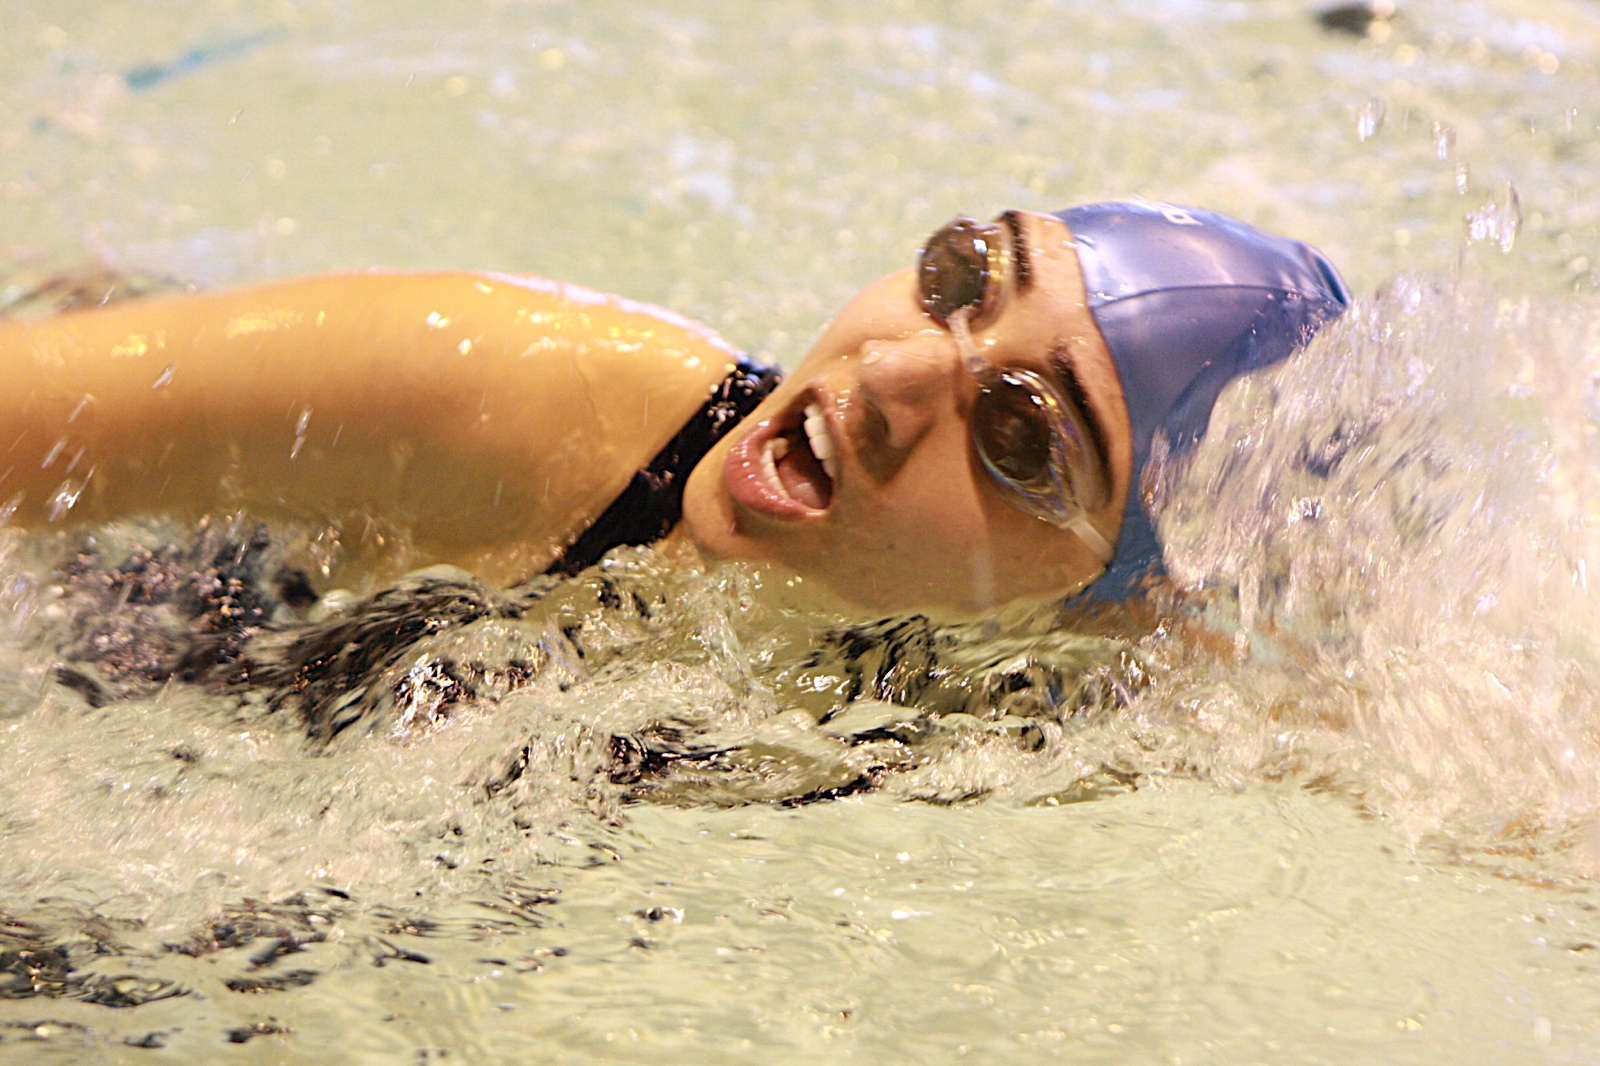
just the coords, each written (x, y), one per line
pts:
(821, 442)
(776, 449)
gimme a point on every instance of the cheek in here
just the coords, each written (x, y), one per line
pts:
(939, 530)
(934, 500)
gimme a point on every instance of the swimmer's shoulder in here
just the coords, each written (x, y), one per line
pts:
(494, 416)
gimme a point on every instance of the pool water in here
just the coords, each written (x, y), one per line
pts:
(1338, 802)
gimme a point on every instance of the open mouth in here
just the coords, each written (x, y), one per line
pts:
(787, 466)
(801, 463)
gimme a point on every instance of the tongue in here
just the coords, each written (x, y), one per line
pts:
(803, 477)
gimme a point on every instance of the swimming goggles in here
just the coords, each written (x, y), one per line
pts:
(1035, 444)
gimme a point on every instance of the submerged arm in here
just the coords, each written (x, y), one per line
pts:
(488, 418)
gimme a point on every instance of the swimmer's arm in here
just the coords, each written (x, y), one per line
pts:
(485, 418)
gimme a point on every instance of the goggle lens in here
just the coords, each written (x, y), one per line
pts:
(955, 267)
(1034, 444)
(1011, 429)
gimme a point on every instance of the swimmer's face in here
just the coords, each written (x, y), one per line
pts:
(904, 514)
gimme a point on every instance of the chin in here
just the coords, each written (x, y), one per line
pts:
(708, 516)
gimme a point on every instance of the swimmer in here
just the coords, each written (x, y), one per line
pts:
(970, 431)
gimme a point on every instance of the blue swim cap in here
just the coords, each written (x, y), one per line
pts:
(1187, 300)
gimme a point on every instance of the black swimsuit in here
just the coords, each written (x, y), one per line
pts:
(653, 501)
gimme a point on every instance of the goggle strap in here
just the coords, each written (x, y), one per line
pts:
(1092, 538)
(957, 324)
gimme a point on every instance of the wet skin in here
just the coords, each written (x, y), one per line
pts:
(911, 520)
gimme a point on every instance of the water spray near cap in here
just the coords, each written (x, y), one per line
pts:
(1187, 300)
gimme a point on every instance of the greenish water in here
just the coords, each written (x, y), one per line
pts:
(1340, 806)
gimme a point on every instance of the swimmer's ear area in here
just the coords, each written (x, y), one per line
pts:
(1187, 300)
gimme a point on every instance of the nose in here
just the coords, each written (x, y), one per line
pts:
(908, 384)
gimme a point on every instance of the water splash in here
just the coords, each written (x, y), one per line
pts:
(1385, 544)
(1394, 530)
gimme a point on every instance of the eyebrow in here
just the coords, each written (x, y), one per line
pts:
(1067, 379)
(1021, 264)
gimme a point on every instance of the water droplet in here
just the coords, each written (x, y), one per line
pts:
(1498, 220)
(65, 498)
(1305, 509)
(1369, 120)
(1444, 140)
(53, 454)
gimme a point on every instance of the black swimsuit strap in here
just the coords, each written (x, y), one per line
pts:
(653, 501)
